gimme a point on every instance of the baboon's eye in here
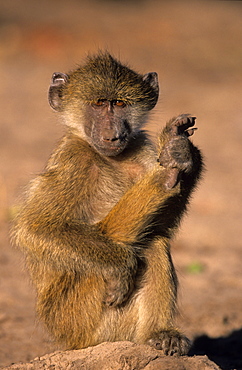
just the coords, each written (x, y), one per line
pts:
(119, 103)
(99, 102)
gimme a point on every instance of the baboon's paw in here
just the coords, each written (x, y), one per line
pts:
(170, 342)
(182, 125)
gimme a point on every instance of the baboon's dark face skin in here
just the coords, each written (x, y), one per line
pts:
(107, 126)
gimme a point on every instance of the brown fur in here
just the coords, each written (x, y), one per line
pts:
(95, 228)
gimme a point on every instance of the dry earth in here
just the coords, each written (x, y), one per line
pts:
(116, 356)
(196, 47)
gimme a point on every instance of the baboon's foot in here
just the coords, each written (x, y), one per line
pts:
(170, 342)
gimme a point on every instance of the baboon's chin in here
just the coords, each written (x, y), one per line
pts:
(110, 150)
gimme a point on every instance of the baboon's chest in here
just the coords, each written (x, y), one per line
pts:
(110, 187)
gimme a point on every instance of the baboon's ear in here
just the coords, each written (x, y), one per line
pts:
(55, 91)
(152, 79)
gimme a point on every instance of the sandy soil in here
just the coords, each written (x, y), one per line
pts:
(196, 49)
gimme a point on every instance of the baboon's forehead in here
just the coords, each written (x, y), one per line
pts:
(103, 77)
(111, 90)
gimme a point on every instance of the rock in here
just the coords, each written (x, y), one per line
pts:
(115, 356)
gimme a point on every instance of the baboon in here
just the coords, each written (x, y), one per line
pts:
(96, 225)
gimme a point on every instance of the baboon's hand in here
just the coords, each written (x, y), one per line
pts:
(176, 154)
(119, 286)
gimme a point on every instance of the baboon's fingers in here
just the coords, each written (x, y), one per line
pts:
(172, 178)
(181, 124)
(190, 132)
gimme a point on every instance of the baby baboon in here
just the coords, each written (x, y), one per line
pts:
(96, 224)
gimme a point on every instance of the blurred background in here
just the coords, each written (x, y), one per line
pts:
(196, 48)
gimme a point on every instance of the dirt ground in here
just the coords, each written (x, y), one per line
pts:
(196, 47)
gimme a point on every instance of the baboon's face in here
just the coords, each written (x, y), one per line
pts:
(105, 102)
(107, 126)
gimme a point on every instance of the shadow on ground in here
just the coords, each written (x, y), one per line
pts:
(226, 352)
